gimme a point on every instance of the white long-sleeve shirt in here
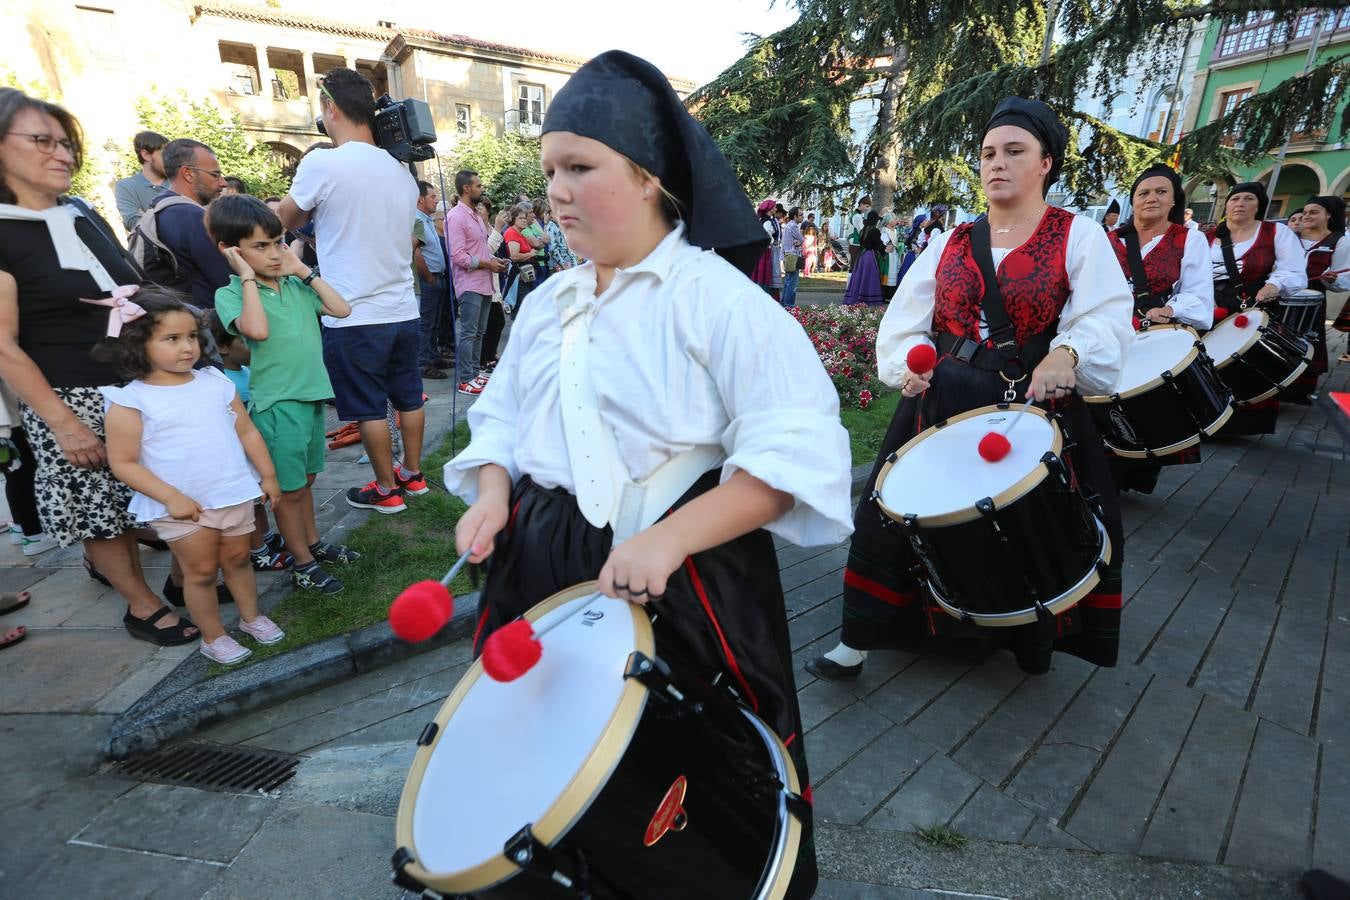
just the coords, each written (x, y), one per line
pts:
(688, 351)
(1192, 301)
(1340, 259)
(1290, 273)
(1095, 320)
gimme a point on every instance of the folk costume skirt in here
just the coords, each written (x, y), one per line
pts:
(722, 612)
(887, 607)
(864, 282)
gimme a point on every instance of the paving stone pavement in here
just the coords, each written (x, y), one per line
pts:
(1213, 761)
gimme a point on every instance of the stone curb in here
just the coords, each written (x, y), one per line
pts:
(187, 700)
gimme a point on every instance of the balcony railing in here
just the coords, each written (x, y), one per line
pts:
(524, 123)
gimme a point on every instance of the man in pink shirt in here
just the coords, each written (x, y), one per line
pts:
(472, 265)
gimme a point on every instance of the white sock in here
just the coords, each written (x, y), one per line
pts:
(845, 655)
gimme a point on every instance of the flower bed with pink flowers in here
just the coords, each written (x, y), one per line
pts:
(846, 339)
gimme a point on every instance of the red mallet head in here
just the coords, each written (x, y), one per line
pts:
(511, 651)
(421, 610)
(994, 446)
(921, 358)
(1135, 322)
(1220, 313)
(1241, 320)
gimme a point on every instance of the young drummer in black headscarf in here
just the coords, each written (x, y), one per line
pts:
(1168, 267)
(1070, 320)
(1326, 249)
(668, 350)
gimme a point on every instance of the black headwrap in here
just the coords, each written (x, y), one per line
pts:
(1335, 208)
(626, 104)
(1257, 189)
(1177, 213)
(1040, 120)
(1113, 207)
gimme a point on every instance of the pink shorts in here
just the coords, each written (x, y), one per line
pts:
(230, 521)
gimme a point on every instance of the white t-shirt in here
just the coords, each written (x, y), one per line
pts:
(188, 440)
(363, 202)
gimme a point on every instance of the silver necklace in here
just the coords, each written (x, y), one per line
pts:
(1017, 225)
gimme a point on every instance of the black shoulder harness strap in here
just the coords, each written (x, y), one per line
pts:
(1144, 299)
(995, 313)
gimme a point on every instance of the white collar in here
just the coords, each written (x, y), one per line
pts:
(577, 293)
(71, 252)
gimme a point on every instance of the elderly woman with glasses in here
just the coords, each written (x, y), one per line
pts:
(67, 280)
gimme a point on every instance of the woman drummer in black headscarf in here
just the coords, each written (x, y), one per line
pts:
(663, 344)
(1068, 312)
(1168, 267)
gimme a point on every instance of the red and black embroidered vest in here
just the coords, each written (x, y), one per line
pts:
(1259, 260)
(1319, 260)
(1162, 265)
(1033, 278)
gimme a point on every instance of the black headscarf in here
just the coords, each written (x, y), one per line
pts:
(1258, 190)
(1113, 207)
(1177, 213)
(1335, 208)
(626, 104)
(1040, 120)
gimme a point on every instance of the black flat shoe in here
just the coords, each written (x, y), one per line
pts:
(145, 630)
(95, 573)
(823, 667)
(174, 594)
(153, 544)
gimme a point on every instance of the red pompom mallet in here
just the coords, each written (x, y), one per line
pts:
(511, 651)
(1241, 320)
(921, 359)
(994, 446)
(1220, 313)
(1135, 322)
(422, 609)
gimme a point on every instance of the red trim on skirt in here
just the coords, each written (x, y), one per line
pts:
(878, 590)
(697, 581)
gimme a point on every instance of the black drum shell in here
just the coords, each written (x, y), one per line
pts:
(1274, 360)
(1191, 403)
(1034, 549)
(732, 803)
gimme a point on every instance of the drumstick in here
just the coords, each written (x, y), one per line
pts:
(512, 650)
(995, 445)
(422, 609)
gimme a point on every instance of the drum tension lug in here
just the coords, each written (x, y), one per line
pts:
(986, 507)
(653, 674)
(1043, 614)
(798, 807)
(428, 734)
(402, 856)
(527, 852)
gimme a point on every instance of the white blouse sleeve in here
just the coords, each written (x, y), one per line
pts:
(909, 317)
(492, 420)
(1096, 319)
(1290, 274)
(1340, 259)
(784, 418)
(1193, 301)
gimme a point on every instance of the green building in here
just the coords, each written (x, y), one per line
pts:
(1237, 61)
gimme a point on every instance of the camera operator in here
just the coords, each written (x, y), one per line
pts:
(363, 205)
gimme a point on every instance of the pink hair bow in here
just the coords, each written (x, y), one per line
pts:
(121, 309)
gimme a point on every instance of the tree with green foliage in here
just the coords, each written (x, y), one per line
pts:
(86, 180)
(179, 116)
(937, 69)
(508, 165)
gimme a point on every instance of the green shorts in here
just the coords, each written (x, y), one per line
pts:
(294, 433)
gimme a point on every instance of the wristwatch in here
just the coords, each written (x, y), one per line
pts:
(314, 273)
(1072, 352)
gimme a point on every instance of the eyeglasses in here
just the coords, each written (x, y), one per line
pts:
(323, 88)
(47, 144)
(214, 173)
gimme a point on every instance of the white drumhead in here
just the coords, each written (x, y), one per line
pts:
(1227, 338)
(510, 749)
(1152, 352)
(1303, 298)
(942, 472)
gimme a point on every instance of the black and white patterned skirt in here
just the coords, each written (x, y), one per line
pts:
(76, 504)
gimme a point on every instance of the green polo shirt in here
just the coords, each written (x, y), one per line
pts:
(289, 364)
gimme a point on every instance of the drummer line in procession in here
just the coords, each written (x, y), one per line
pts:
(631, 727)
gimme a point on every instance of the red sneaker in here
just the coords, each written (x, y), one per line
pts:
(372, 496)
(411, 482)
(470, 388)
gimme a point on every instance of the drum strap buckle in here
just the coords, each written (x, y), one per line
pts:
(1010, 393)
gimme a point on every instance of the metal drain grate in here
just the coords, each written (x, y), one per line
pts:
(213, 767)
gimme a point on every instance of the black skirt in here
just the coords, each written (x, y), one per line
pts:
(723, 611)
(886, 605)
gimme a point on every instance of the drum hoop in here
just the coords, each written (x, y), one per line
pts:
(1157, 381)
(574, 799)
(1005, 497)
(1289, 379)
(1251, 338)
(778, 885)
(1064, 601)
(1208, 431)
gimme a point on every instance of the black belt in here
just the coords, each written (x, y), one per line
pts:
(980, 355)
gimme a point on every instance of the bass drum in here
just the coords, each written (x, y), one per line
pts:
(1256, 356)
(1001, 543)
(604, 771)
(1168, 396)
